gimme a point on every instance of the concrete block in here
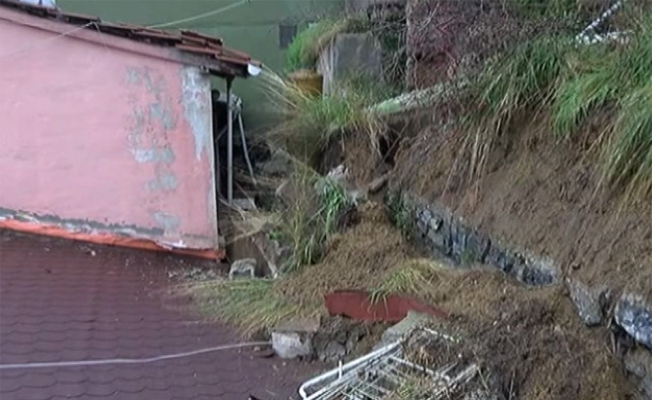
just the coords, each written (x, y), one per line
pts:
(396, 332)
(291, 345)
(349, 54)
(293, 339)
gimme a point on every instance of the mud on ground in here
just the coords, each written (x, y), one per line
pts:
(529, 341)
(526, 354)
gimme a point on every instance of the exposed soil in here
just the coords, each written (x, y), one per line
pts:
(535, 195)
(538, 195)
(539, 350)
(547, 198)
(528, 342)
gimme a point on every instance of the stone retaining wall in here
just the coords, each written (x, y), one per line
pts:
(443, 234)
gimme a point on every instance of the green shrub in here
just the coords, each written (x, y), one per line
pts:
(318, 206)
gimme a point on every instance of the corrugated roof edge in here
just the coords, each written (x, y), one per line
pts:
(197, 44)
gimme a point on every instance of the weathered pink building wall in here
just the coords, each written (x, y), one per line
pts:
(99, 139)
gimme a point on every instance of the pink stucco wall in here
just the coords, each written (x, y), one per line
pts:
(97, 138)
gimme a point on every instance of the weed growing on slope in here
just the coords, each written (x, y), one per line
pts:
(310, 123)
(315, 212)
(571, 82)
(413, 278)
(400, 213)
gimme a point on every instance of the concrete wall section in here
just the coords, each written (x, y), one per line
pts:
(100, 139)
(347, 55)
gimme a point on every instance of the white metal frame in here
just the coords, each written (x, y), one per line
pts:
(376, 374)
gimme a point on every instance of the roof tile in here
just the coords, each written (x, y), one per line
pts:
(122, 317)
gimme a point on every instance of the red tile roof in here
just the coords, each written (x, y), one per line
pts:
(194, 43)
(69, 301)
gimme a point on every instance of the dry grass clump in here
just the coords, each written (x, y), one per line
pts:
(310, 123)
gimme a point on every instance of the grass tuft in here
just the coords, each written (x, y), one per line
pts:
(629, 155)
(523, 79)
(306, 226)
(249, 304)
(310, 123)
(412, 388)
(315, 213)
(411, 278)
(511, 86)
(571, 83)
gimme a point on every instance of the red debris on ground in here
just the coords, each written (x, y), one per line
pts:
(356, 304)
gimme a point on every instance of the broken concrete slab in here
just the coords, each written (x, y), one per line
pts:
(396, 332)
(290, 345)
(293, 339)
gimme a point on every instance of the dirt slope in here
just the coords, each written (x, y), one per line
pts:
(541, 196)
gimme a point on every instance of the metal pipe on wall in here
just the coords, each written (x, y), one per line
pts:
(229, 128)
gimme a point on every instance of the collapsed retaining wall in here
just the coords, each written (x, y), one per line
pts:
(445, 235)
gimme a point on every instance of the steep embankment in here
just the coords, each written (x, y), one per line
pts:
(541, 196)
(546, 200)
